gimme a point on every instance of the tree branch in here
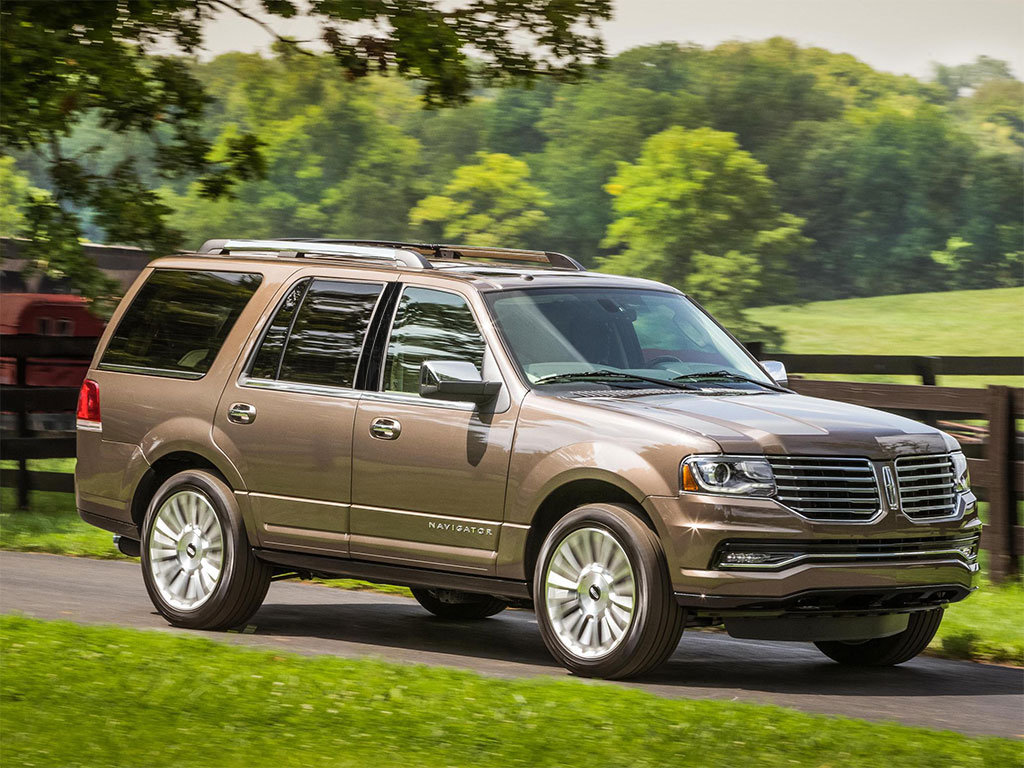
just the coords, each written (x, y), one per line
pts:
(295, 44)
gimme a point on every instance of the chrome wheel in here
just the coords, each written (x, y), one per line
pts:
(186, 549)
(589, 592)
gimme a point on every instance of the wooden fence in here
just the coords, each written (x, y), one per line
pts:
(22, 400)
(928, 368)
(997, 471)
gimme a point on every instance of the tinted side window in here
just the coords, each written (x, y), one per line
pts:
(178, 321)
(268, 358)
(327, 334)
(429, 325)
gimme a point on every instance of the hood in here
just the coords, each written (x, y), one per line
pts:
(786, 424)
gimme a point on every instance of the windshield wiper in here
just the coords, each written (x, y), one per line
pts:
(728, 376)
(602, 374)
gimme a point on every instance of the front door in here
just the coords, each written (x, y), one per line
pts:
(286, 422)
(429, 476)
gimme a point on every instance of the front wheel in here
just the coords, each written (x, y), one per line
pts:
(603, 598)
(887, 651)
(197, 564)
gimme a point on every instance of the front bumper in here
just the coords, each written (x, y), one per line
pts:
(891, 564)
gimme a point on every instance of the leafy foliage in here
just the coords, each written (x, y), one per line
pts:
(14, 192)
(489, 203)
(697, 211)
(66, 64)
(900, 184)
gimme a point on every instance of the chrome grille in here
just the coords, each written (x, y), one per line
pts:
(926, 486)
(827, 488)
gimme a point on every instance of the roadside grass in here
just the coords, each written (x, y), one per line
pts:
(75, 695)
(51, 525)
(985, 322)
(987, 626)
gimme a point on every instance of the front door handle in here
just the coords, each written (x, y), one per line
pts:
(385, 429)
(242, 413)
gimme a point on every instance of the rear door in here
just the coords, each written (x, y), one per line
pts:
(286, 418)
(430, 490)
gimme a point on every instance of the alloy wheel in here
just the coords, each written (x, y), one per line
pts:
(590, 592)
(186, 549)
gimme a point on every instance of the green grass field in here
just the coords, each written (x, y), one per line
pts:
(87, 696)
(987, 322)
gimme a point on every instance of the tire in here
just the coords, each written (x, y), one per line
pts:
(581, 612)
(887, 651)
(212, 532)
(464, 605)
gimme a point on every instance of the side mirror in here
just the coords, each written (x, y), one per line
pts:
(777, 371)
(455, 380)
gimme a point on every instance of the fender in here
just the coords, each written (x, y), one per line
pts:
(616, 464)
(189, 434)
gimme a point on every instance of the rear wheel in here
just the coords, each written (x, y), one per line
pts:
(603, 597)
(449, 604)
(887, 651)
(197, 564)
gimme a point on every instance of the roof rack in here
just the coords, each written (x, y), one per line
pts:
(416, 255)
(319, 248)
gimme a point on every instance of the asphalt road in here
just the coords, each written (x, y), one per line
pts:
(306, 618)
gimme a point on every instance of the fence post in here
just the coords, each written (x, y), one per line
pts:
(926, 370)
(1002, 498)
(24, 478)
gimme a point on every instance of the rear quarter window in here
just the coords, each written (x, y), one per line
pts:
(178, 321)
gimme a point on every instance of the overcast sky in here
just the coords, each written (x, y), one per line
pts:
(893, 35)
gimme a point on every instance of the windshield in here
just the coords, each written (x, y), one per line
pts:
(619, 337)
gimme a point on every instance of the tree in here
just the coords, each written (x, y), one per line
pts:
(983, 69)
(64, 63)
(602, 122)
(696, 211)
(14, 192)
(374, 200)
(489, 203)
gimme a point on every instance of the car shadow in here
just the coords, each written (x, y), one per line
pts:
(703, 660)
(401, 623)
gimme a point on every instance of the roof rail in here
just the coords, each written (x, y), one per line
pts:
(416, 255)
(556, 260)
(319, 249)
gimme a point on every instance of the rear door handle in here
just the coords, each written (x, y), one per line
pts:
(385, 429)
(242, 413)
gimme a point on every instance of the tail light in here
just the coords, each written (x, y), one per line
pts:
(89, 405)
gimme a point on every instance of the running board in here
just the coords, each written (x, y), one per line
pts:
(382, 573)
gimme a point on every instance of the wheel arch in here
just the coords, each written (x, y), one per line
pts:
(569, 495)
(162, 468)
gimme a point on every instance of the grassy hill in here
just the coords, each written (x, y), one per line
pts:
(989, 322)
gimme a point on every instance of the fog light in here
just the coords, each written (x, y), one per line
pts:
(755, 558)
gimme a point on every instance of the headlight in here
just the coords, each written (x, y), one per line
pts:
(739, 475)
(961, 475)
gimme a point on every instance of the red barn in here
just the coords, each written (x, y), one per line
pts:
(46, 314)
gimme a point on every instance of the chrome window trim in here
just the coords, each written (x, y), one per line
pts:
(405, 398)
(295, 387)
(145, 370)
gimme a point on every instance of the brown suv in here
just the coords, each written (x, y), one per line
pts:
(495, 427)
